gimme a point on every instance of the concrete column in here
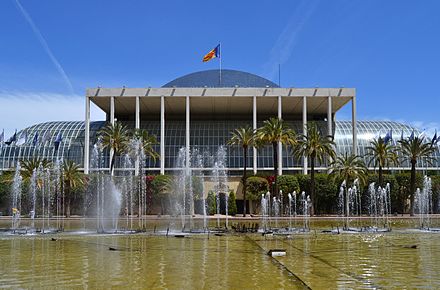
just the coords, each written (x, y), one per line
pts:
(280, 146)
(353, 123)
(137, 126)
(112, 110)
(329, 116)
(254, 126)
(305, 164)
(87, 137)
(162, 135)
(187, 132)
(112, 121)
(329, 120)
(138, 114)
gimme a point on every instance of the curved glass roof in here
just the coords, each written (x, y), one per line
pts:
(205, 135)
(70, 147)
(229, 78)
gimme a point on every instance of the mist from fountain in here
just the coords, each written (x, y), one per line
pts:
(16, 198)
(423, 204)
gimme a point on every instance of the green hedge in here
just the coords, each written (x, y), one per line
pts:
(256, 186)
(288, 184)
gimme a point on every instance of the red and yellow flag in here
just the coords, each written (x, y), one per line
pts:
(212, 54)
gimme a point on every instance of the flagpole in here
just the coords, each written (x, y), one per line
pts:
(220, 62)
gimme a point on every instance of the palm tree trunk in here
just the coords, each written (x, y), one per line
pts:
(312, 183)
(380, 176)
(275, 167)
(412, 185)
(112, 163)
(244, 179)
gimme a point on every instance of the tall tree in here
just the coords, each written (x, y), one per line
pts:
(348, 168)
(148, 142)
(244, 137)
(414, 149)
(316, 147)
(29, 166)
(73, 179)
(272, 132)
(383, 154)
(115, 138)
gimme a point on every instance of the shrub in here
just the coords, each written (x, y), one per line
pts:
(326, 191)
(256, 186)
(435, 181)
(288, 184)
(404, 180)
(212, 203)
(232, 205)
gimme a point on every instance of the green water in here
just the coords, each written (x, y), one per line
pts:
(146, 261)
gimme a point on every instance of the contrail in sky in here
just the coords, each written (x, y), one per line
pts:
(283, 47)
(45, 46)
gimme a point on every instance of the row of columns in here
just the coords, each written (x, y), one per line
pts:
(187, 128)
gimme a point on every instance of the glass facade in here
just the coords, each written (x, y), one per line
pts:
(205, 135)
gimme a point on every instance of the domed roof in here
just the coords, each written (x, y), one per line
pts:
(229, 79)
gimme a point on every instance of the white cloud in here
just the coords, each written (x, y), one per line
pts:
(19, 110)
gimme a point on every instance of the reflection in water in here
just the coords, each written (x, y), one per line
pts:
(218, 262)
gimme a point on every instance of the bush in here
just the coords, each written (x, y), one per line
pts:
(404, 181)
(326, 194)
(303, 182)
(212, 203)
(288, 184)
(435, 181)
(256, 186)
(232, 205)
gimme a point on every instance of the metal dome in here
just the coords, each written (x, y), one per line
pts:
(229, 79)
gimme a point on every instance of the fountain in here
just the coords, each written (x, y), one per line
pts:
(424, 205)
(190, 166)
(16, 199)
(379, 208)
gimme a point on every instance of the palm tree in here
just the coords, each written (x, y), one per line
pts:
(243, 137)
(413, 149)
(272, 132)
(73, 179)
(29, 166)
(383, 154)
(348, 168)
(316, 147)
(148, 142)
(115, 137)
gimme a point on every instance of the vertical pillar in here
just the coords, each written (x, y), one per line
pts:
(162, 135)
(187, 133)
(112, 110)
(112, 121)
(353, 124)
(137, 127)
(329, 120)
(305, 164)
(329, 115)
(138, 114)
(254, 126)
(87, 137)
(280, 147)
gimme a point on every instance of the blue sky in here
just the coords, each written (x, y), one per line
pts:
(51, 51)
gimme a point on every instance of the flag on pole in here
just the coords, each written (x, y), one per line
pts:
(388, 137)
(2, 137)
(412, 136)
(35, 140)
(58, 140)
(12, 139)
(212, 54)
(434, 139)
(22, 140)
(401, 136)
